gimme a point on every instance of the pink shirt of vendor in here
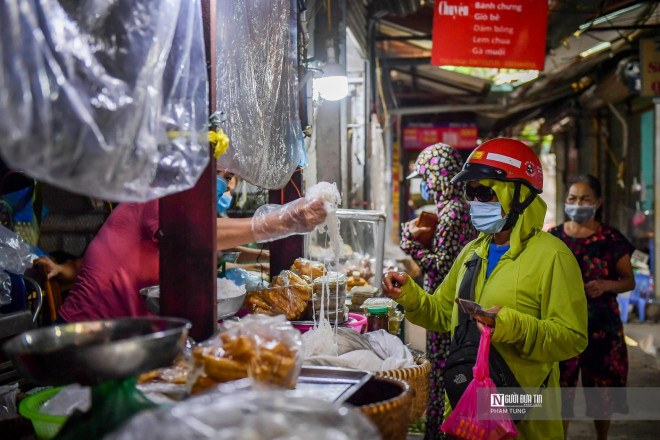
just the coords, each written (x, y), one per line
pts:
(121, 260)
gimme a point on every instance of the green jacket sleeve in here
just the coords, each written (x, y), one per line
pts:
(433, 312)
(561, 332)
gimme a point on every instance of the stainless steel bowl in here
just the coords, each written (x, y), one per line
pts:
(96, 351)
(229, 306)
(226, 306)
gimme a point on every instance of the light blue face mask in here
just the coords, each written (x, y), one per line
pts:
(224, 200)
(424, 190)
(487, 216)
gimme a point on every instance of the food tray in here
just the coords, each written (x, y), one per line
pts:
(333, 384)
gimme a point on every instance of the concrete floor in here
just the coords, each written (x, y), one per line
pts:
(644, 371)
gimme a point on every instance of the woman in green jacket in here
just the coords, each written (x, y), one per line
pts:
(529, 278)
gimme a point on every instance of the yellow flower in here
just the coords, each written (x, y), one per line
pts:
(220, 142)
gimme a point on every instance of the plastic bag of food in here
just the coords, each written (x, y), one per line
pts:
(257, 89)
(114, 94)
(308, 268)
(264, 348)
(249, 414)
(288, 294)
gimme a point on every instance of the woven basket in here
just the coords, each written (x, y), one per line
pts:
(418, 379)
(385, 400)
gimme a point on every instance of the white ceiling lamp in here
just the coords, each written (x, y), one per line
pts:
(333, 84)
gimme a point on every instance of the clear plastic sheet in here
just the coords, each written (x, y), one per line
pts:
(257, 89)
(15, 257)
(249, 414)
(106, 99)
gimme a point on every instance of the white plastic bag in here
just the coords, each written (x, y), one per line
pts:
(106, 99)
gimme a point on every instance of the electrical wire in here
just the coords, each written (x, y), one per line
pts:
(382, 95)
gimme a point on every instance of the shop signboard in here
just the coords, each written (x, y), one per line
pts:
(458, 135)
(507, 34)
(650, 61)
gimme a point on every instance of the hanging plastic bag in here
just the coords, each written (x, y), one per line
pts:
(465, 421)
(105, 99)
(15, 257)
(257, 89)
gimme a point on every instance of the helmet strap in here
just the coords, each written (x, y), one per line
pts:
(517, 208)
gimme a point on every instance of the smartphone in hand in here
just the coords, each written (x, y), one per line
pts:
(473, 308)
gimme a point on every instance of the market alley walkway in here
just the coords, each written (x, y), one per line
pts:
(644, 371)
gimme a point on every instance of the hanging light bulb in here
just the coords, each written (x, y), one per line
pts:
(333, 84)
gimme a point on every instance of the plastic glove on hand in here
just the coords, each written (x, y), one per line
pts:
(306, 214)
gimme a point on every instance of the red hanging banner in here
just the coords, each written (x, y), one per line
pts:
(507, 34)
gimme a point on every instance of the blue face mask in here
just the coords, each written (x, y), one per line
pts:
(487, 216)
(224, 201)
(424, 190)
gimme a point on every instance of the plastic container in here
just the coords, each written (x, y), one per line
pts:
(46, 426)
(360, 294)
(380, 302)
(377, 318)
(331, 287)
(357, 321)
(394, 323)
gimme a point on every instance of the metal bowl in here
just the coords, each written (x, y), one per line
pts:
(226, 306)
(96, 351)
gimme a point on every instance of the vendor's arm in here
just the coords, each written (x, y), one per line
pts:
(561, 333)
(271, 222)
(249, 254)
(65, 272)
(232, 232)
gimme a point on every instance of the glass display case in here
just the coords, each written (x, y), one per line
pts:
(363, 233)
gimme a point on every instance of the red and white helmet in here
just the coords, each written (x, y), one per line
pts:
(503, 159)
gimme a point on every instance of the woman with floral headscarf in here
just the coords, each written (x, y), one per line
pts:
(437, 165)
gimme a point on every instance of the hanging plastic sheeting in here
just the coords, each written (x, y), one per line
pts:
(105, 98)
(257, 89)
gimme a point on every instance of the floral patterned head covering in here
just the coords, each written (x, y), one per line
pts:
(436, 165)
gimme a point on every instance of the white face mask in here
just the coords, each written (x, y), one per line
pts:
(487, 216)
(580, 213)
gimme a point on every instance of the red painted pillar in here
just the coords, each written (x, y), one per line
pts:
(188, 233)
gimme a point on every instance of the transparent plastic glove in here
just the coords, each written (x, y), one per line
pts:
(273, 222)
